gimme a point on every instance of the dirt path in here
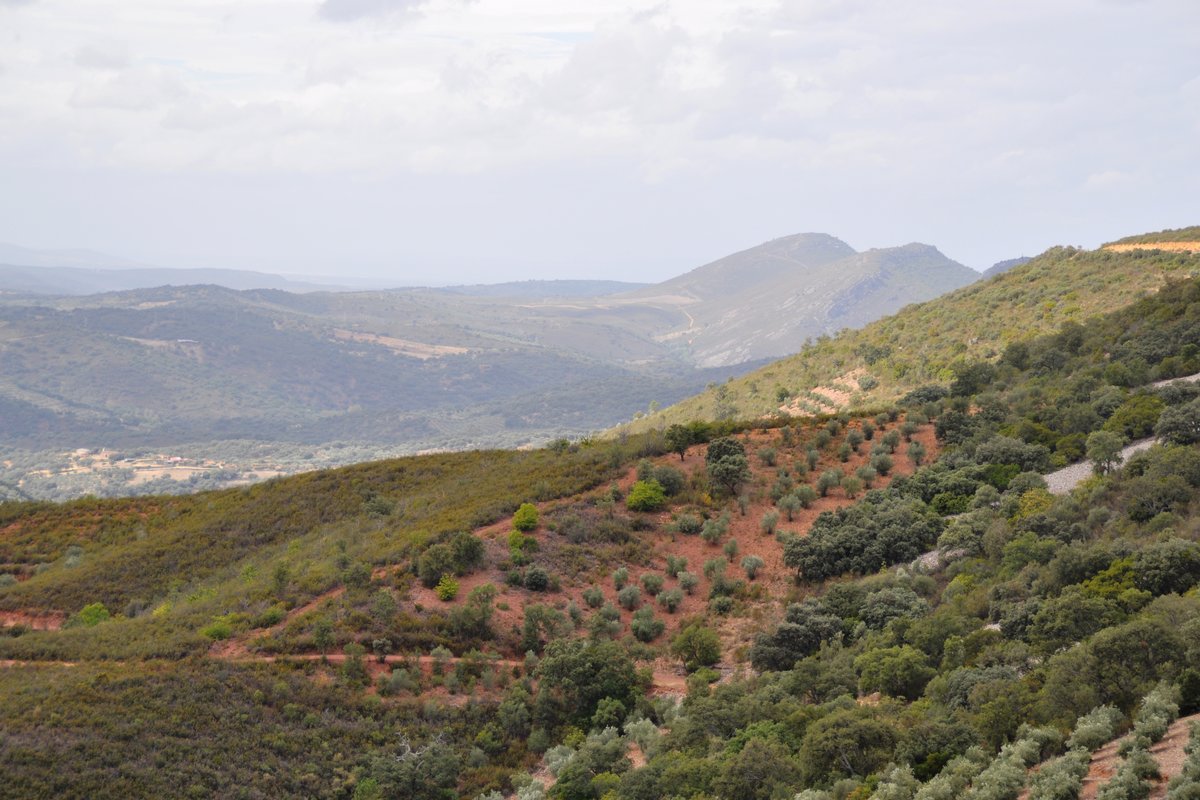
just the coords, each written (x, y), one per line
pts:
(34, 622)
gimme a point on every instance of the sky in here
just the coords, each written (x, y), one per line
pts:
(457, 141)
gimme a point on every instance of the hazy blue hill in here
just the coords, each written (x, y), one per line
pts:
(768, 300)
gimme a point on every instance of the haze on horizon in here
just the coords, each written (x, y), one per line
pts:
(460, 141)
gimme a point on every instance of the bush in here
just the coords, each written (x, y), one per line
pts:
(1158, 710)
(436, 561)
(672, 480)
(715, 529)
(752, 564)
(721, 605)
(593, 596)
(688, 581)
(526, 518)
(447, 588)
(645, 626)
(688, 524)
(620, 577)
(806, 494)
(829, 479)
(1062, 778)
(90, 615)
(670, 599)
(646, 496)
(218, 630)
(1131, 781)
(537, 579)
(676, 565)
(652, 583)
(882, 464)
(1095, 728)
(789, 504)
(630, 597)
(769, 523)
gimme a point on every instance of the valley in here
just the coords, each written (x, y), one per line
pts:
(894, 603)
(266, 381)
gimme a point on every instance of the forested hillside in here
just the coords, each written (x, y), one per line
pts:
(883, 606)
(930, 342)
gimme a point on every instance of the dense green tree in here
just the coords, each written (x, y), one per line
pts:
(679, 438)
(575, 675)
(1180, 424)
(897, 671)
(697, 646)
(847, 743)
(1104, 450)
(762, 770)
(727, 464)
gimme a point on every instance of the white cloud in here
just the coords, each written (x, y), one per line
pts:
(822, 103)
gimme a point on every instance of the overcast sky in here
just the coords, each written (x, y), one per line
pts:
(435, 141)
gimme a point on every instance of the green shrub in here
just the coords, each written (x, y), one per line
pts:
(447, 588)
(593, 596)
(676, 565)
(91, 615)
(752, 564)
(218, 630)
(652, 583)
(646, 496)
(526, 517)
(537, 579)
(721, 605)
(671, 479)
(645, 626)
(1062, 778)
(670, 599)
(620, 577)
(630, 597)
(688, 581)
(1095, 728)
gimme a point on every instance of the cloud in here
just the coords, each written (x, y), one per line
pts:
(351, 10)
(131, 90)
(102, 56)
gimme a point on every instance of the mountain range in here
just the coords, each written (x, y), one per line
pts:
(207, 370)
(977, 590)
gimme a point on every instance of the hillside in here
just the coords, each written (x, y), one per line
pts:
(181, 388)
(924, 343)
(879, 607)
(768, 300)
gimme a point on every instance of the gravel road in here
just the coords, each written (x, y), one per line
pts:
(1066, 479)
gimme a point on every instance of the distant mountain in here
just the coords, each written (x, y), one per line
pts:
(1000, 267)
(404, 370)
(768, 300)
(87, 259)
(533, 290)
(90, 280)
